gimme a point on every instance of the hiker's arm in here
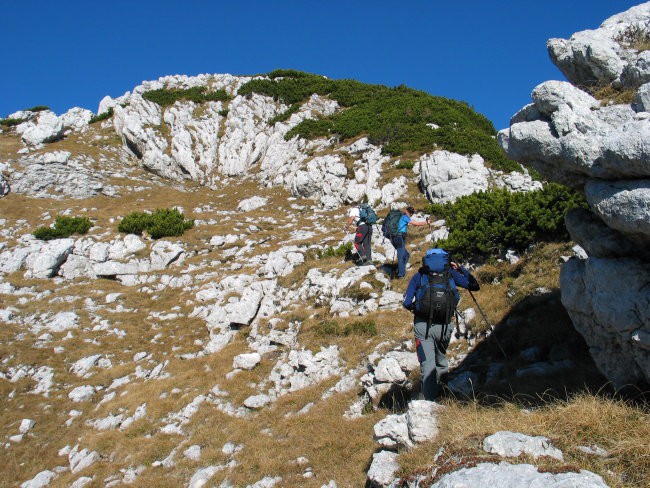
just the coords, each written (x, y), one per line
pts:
(349, 223)
(464, 278)
(417, 224)
(409, 295)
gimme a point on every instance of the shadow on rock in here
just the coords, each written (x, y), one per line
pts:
(533, 356)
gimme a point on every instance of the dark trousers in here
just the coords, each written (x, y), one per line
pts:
(399, 243)
(362, 239)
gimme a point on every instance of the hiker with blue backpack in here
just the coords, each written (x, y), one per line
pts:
(363, 217)
(432, 296)
(395, 227)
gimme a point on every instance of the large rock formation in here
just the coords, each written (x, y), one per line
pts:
(602, 150)
(239, 137)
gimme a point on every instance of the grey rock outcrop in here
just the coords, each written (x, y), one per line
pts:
(606, 54)
(517, 475)
(602, 151)
(209, 141)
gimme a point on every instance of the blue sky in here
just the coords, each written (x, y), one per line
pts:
(489, 54)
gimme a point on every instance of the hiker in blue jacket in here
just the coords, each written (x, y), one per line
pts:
(431, 340)
(399, 240)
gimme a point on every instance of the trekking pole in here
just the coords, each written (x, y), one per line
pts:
(488, 324)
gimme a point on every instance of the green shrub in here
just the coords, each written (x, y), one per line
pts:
(489, 223)
(98, 118)
(38, 108)
(405, 165)
(365, 328)
(396, 118)
(331, 252)
(161, 223)
(198, 94)
(10, 122)
(64, 227)
(285, 115)
(224, 112)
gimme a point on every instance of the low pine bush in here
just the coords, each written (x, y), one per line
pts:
(38, 108)
(331, 252)
(399, 119)
(489, 223)
(161, 223)
(198, 94)
(405, 165)
(98, 118)
(10, 122)
(285, 115)
(64, 227)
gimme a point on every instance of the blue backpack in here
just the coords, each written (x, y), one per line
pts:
(367, 214)
(435, 299)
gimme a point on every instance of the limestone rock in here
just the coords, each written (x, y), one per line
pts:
(422, 420)
(382, 469)
(251, 204)
(609, 305)
(46, 263)
(512, 444)
(246, 361)
(516, 476)
(54, 180)
(603, 152)
(46, 128)
(599, 56)
(40, 480)
(392, 432)
(76, 118)
(445, 176)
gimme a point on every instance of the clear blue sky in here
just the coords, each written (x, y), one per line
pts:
(490, 54)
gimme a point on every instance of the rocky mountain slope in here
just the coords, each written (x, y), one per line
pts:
(243, 353)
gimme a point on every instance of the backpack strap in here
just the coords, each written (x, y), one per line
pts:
(430, 318)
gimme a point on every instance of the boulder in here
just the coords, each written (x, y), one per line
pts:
(76, 118)
(609, 305)
(446, 176)
(392, 432)
(513, 444)
(46, 128)
(517, 475)
(382, 469)
(42, 479)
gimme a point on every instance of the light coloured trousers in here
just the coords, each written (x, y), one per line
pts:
(431, 355)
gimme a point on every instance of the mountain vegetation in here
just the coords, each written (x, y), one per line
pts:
(400, 119)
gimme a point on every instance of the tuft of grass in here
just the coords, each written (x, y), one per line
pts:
(366, 328)
(64, 227)
(635, 37)
(608, 94)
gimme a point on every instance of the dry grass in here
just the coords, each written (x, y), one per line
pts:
(620, 428)
(609, 94)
